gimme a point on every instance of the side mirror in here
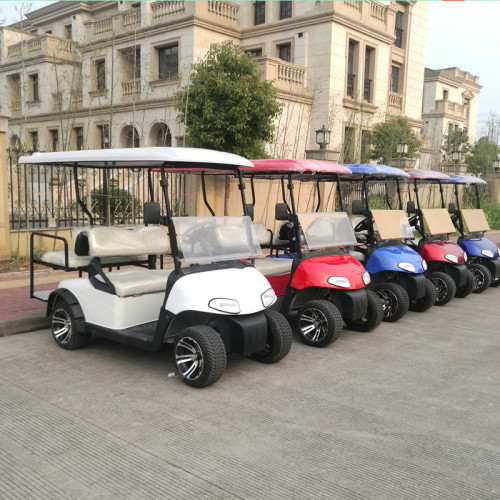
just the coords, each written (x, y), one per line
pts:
(151, 212)
(410, 207)
(281, 212)
(452, 209)
(357, 207)
(249, 210)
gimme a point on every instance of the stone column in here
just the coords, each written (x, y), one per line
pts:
(4, 192)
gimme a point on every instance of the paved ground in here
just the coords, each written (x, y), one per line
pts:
(410, 411)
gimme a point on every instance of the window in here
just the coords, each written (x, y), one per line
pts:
(131, 63)
(259, 13)
(79, 138)
(68, 32)
(352, 63)
(285, 9)
(445, 95)
(55, 139)
(34, 140)
(100, 74)
(255, 52)
(285, 52)
(398, 29)
(367, 85)
(168, 61)
(395, 79)
(132, 137)
(104, 133)
(34, 88)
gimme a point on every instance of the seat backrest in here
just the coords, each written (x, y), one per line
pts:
(152, 213)
(357, 208)
(281, 212)
(112, 241)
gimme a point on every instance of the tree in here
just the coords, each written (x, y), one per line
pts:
(385, 138)
(457, 140)
(481, 156)
(226, 106)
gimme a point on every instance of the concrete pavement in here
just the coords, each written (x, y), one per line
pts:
(410, 411)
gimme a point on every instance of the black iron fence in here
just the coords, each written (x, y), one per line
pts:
(43, 197)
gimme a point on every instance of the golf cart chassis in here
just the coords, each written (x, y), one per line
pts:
(414, 284)
(242, 334)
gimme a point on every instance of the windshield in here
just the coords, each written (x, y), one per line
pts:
(392, 224)
(326, 229)
(212, 239)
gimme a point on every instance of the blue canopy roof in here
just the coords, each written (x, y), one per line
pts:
(465, 179)
(376, 170)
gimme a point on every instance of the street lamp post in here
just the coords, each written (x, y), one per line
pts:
(496, 164)
(456, 156)
(322, 137)
(402, 150)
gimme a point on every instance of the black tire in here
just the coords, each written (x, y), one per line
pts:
(199, 355)
(445, 287)
(495, 282)
(68, 332)
(279, 339)
(427, 301)
(319, 323)
(468, 288)
(482, 276)
(395, 300)
(373, 317)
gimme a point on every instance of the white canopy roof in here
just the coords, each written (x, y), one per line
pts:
(139, 157)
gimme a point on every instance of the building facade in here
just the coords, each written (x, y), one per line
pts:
(104, 74)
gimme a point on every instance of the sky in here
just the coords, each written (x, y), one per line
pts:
(461, 33)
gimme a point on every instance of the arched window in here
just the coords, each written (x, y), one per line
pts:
(132, 137)
(164, 137)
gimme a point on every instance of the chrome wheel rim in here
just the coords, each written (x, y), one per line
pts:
(313, 325)
(390, 302)
(62, 326)
(189, 358)
(441, 288)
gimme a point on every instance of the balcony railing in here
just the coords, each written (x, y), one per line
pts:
(286, 76)
(225, 10)
(45, 45)
(378, 12)
(162, 11)
(350, 84)
(367, 89)
(398, 33)
(131, 87)
(395, 106)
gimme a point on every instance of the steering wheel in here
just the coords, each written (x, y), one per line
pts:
(413, 220)
(199, 233)
(361, 226)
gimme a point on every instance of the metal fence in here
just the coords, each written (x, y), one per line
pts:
(45, 196)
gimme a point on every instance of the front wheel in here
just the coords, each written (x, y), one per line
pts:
(374, 315)
(395, 300)
(427, 301)
(200, 356)
(445, 287)
(66, 330)
(468, 288)
(482, 277)
(319, 323)
(279, 339)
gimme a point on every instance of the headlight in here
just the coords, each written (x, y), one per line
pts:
(487, 253)
(406, 266)
(424, 265)
(225, 305)
(451, 257)
(465, 257)
(339, 281)
(268, 297)
(366, 278)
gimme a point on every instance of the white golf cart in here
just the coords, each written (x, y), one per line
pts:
(212, 303)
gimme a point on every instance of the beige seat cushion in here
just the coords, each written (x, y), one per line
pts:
(274, 267)
(74, 261)
(138, 282)
(359, 256)
(260, 233)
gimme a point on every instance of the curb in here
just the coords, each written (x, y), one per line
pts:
(13, 326)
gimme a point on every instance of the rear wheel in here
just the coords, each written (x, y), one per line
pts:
(482, 277)
(66, 330)
(200, 356)
(427, 301)
(395, 300)
(279, 339)
(468, 288)
(374, 315)
(319, 323)
(445, 287)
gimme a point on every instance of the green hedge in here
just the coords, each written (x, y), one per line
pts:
(492, 211)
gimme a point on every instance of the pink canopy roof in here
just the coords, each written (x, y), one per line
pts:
(428, 174)
(283, 166)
